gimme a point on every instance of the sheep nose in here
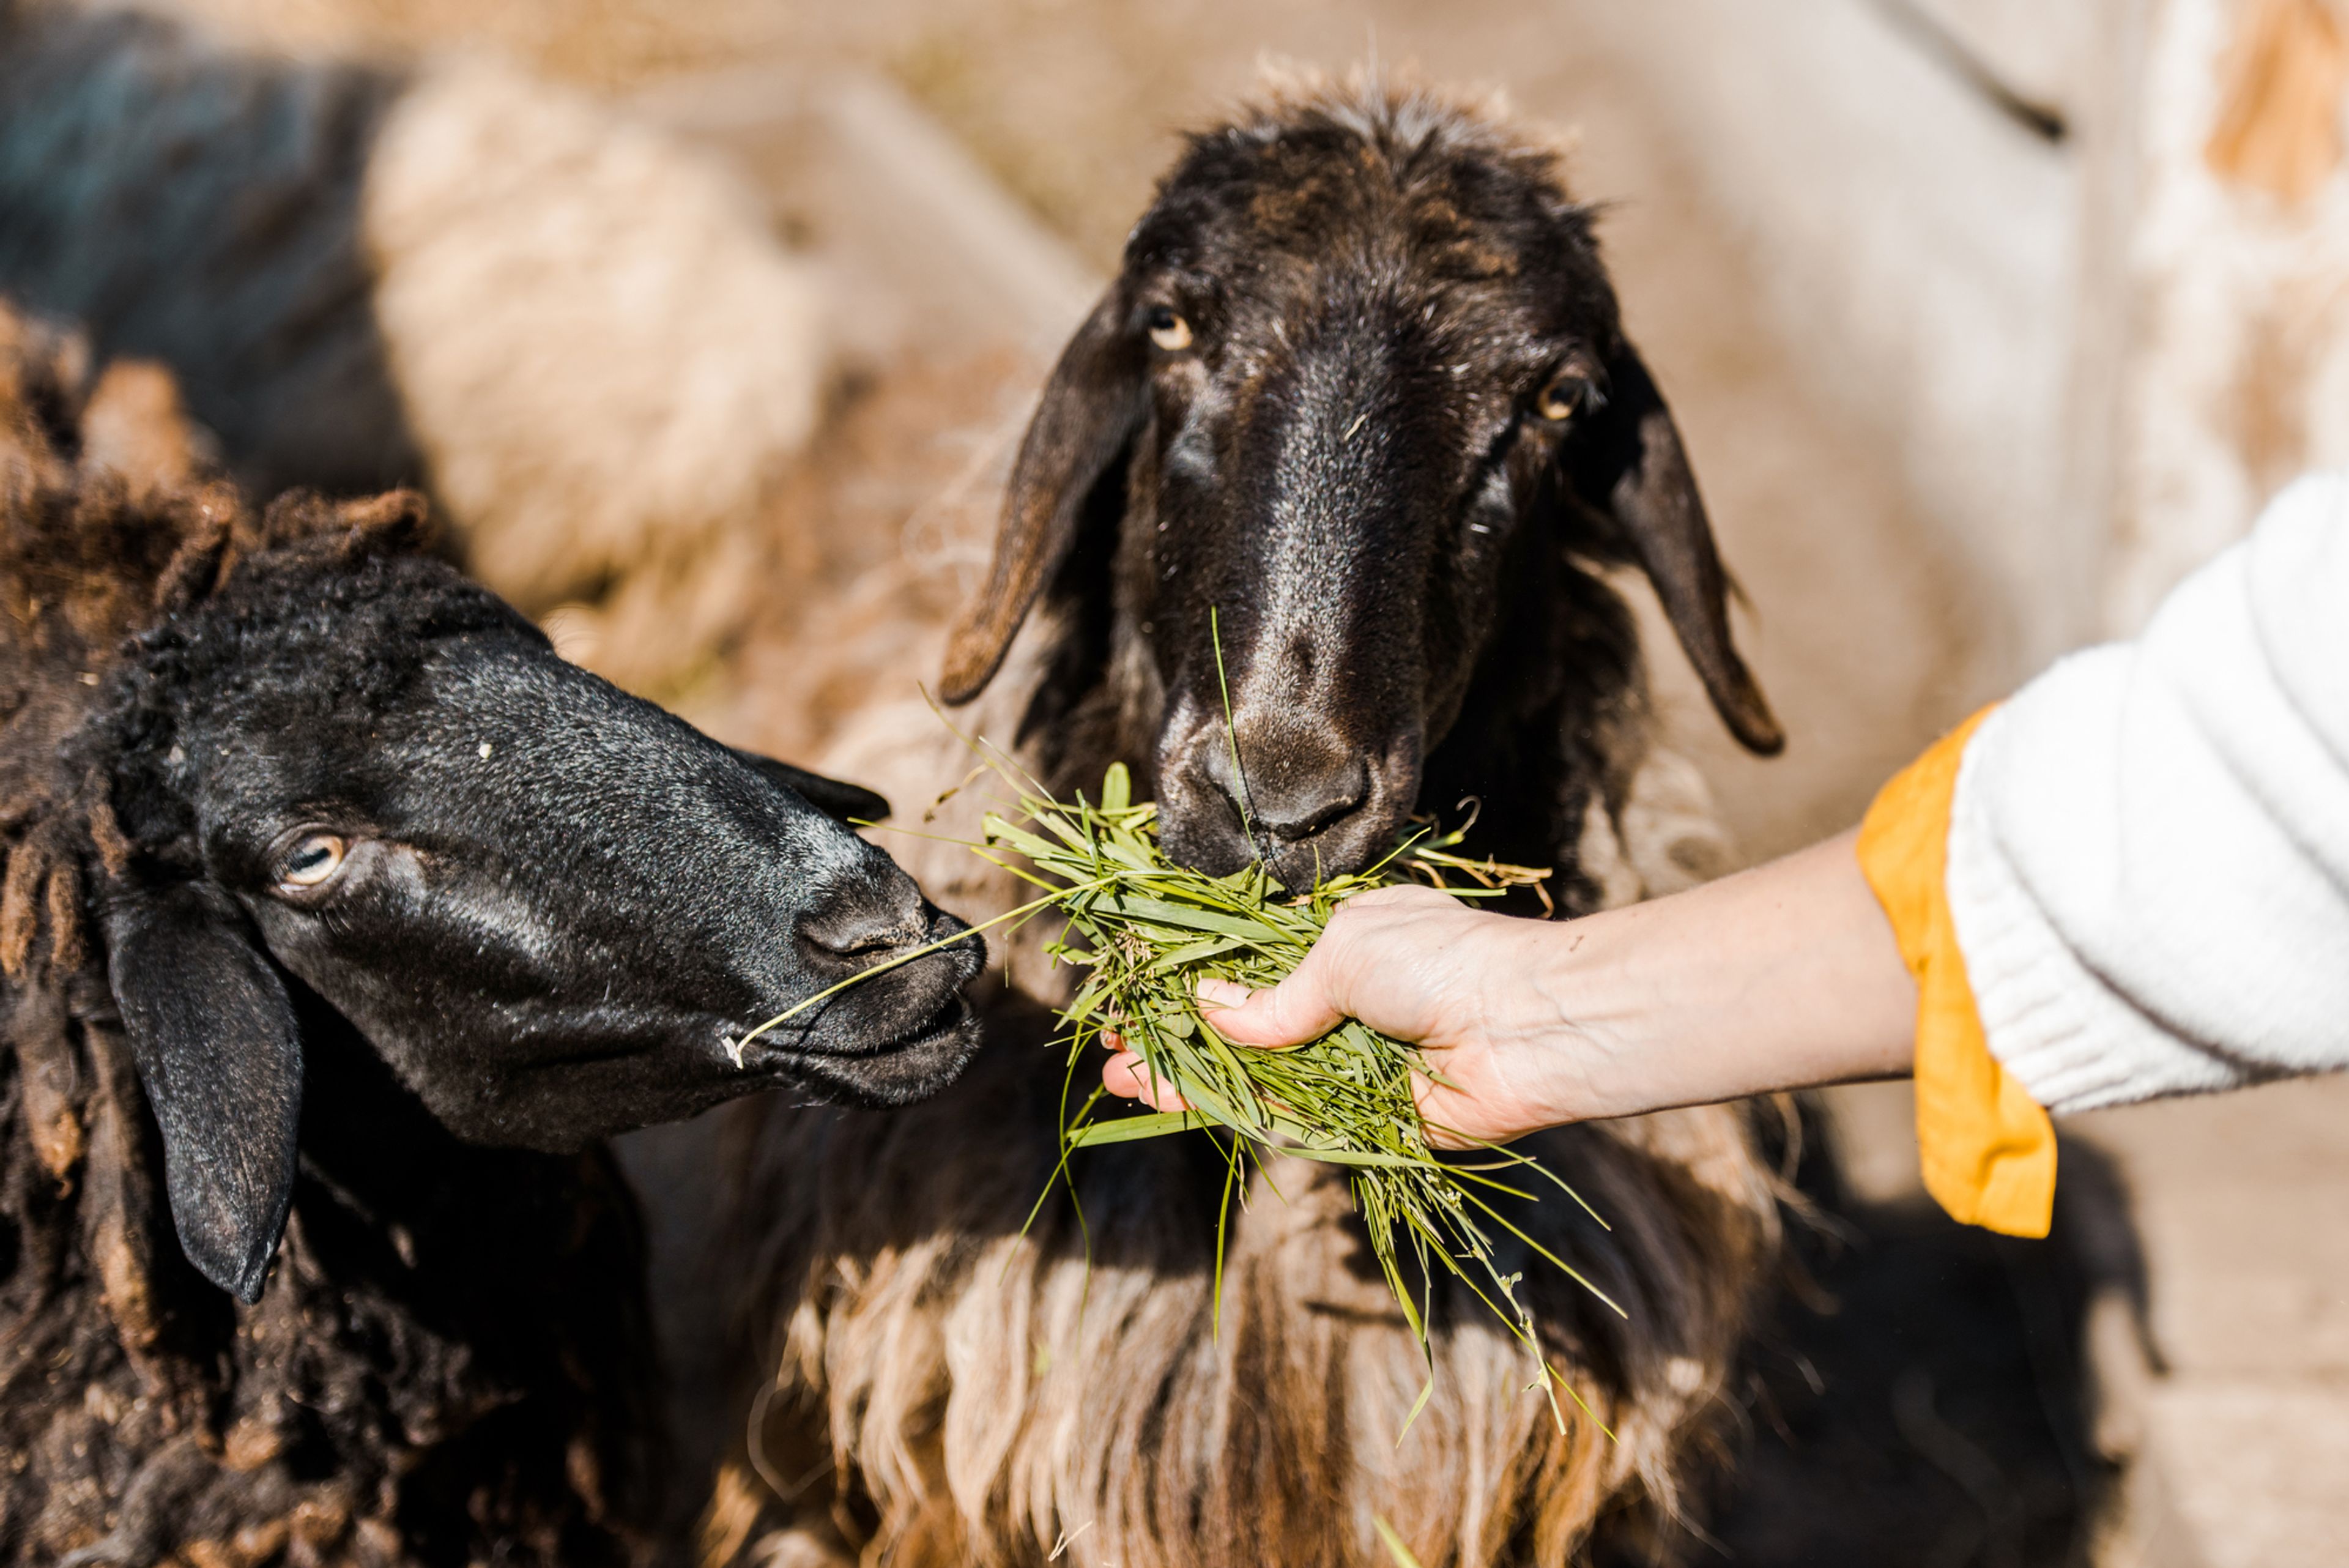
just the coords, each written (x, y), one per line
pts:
(1288, 785)
(1294, 810)
(1316, 804)
(857, 929)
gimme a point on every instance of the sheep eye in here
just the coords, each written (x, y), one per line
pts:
(312, 861)
(1169, 330)
(1567, 394)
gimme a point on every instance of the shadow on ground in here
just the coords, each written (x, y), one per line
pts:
(1917, 1399)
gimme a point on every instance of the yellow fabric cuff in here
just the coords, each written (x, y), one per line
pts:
(1987, 1149)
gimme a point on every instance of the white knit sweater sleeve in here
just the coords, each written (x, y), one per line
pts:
(2148, 862)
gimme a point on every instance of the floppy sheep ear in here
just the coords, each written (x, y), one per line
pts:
(220, 1056)
(834, 797)
(1626, 460)
(1092, 408)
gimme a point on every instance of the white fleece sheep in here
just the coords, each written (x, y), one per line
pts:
(594, 333)
(584, 335)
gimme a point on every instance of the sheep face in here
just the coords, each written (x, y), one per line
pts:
(551, 907)
(1358, 392)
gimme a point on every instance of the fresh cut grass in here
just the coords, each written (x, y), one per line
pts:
(1145, 932)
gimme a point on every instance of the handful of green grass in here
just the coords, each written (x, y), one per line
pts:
(1148, 930)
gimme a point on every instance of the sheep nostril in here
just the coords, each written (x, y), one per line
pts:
(1306, 806)
(858, 937)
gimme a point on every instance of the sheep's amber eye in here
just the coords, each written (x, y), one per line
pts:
(1564, 397)
(312, 860)
(1169, 330)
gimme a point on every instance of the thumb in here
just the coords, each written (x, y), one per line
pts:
(1296, 1010)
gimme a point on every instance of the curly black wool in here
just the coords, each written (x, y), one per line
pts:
(446, 1366)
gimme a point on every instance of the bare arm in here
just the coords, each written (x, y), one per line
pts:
(1778, 977)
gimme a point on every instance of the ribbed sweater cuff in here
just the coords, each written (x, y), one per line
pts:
(2065, 1035)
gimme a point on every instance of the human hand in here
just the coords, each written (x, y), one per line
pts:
(1417, 965)
(1781, 977)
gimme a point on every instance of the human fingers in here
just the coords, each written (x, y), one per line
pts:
(1128, 1075)
(1297, 1010)
(1369, 964)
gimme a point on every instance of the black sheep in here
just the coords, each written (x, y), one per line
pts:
(339, 919)
(1361, 402)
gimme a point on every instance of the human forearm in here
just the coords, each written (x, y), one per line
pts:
(1783, 975)
(1778, 977)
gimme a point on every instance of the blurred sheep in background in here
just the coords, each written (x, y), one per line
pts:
(580, 334)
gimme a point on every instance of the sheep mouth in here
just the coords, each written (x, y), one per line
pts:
(881, 1070)
(951, 1015)
(911, 1009)
(893, 1008)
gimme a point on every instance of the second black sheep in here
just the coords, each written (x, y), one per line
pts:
(340, 919)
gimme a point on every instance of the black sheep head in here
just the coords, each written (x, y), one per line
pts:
(554, 910)
(1359, 384)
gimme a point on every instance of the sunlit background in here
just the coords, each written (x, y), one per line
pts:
(710, 326)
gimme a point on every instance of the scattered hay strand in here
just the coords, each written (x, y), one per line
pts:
(1392, 1538)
